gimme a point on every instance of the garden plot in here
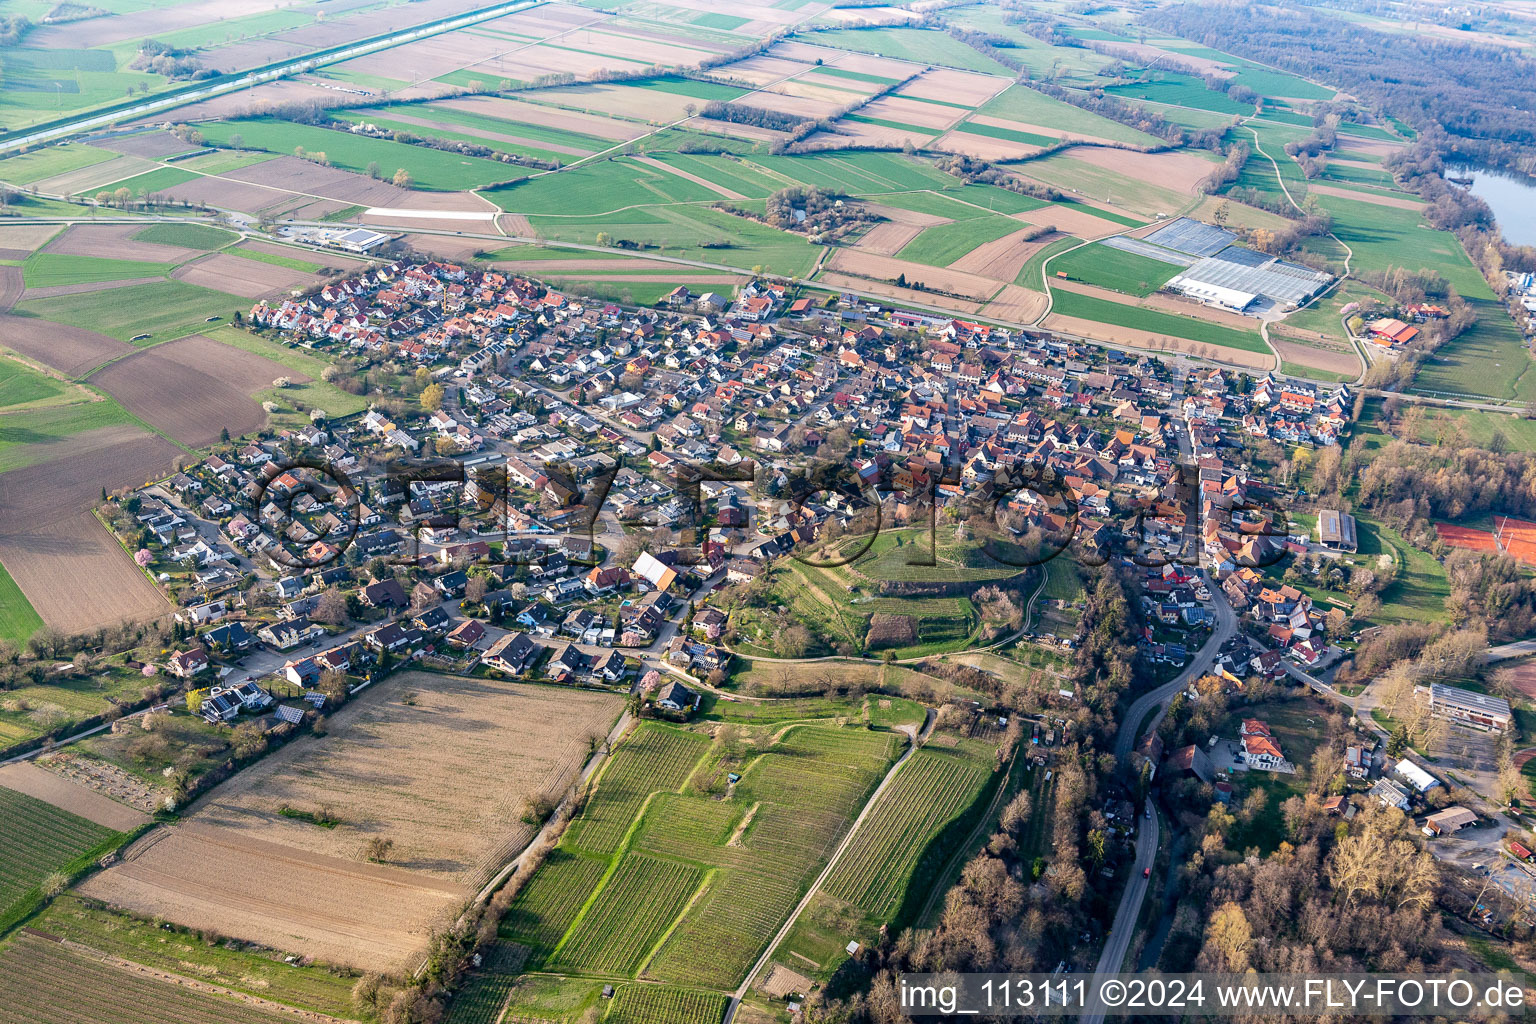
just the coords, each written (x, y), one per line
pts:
(27, 778)
(195, 388)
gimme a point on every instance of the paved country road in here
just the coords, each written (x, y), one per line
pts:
(1118, 942)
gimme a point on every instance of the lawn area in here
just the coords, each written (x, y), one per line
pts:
(22, 387)
(1488, 359)
(1441, 426)
(924, 46)
(50, 161)
(163, 310)
(61, 700)
(1021, 103)
(1296, 725)
(1090, 307)
(1421, 589)
(428, 168)
(187, 236)
(18, 620)
(1107, 267)
(50, 269)
(679, 86)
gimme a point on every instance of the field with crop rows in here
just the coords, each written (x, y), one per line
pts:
(640, 900)
(42, 981)
(655, 1004)
(932, 789)
(39, 839)
(654, 759)
(547, 905)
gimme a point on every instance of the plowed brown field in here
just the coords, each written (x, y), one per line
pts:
(194, 387)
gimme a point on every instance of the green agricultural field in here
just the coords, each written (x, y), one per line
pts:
(34, 971)
(691, 87)
(262, 973)
(1107, 267)
(854, 76)
(18, 621)
(857, 172)
(39, 435)
(1182, 91)
(923, 46)
(277, 259)
(630, 293)
(674, 873)
(40, 840)
(656, 1004)
(654, 759)
(932, 789)
(223, 161)
(943, 244)
(1277, 83)
(690, 232)
(163, 310)
(474, 121)
(1010, 134)
(740, 176)
(428, 168)
(1358, 176)
(1090, 307)
(1021, 103)
(1031, 275)
(723, 22)
(893, 125)
(187, 236)
(636, 905)
(51, 269)
(607, 186)
(22, 387)
(150, 182)
(50, 161)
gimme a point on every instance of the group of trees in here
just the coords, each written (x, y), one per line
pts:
(163, 59)
(1477, 91)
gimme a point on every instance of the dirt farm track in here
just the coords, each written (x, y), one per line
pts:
(426, 761)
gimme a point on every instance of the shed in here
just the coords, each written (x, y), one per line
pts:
(1450, 820)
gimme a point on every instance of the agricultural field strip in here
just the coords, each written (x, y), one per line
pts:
(740, 889)
(930, 791)
(39, 839)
